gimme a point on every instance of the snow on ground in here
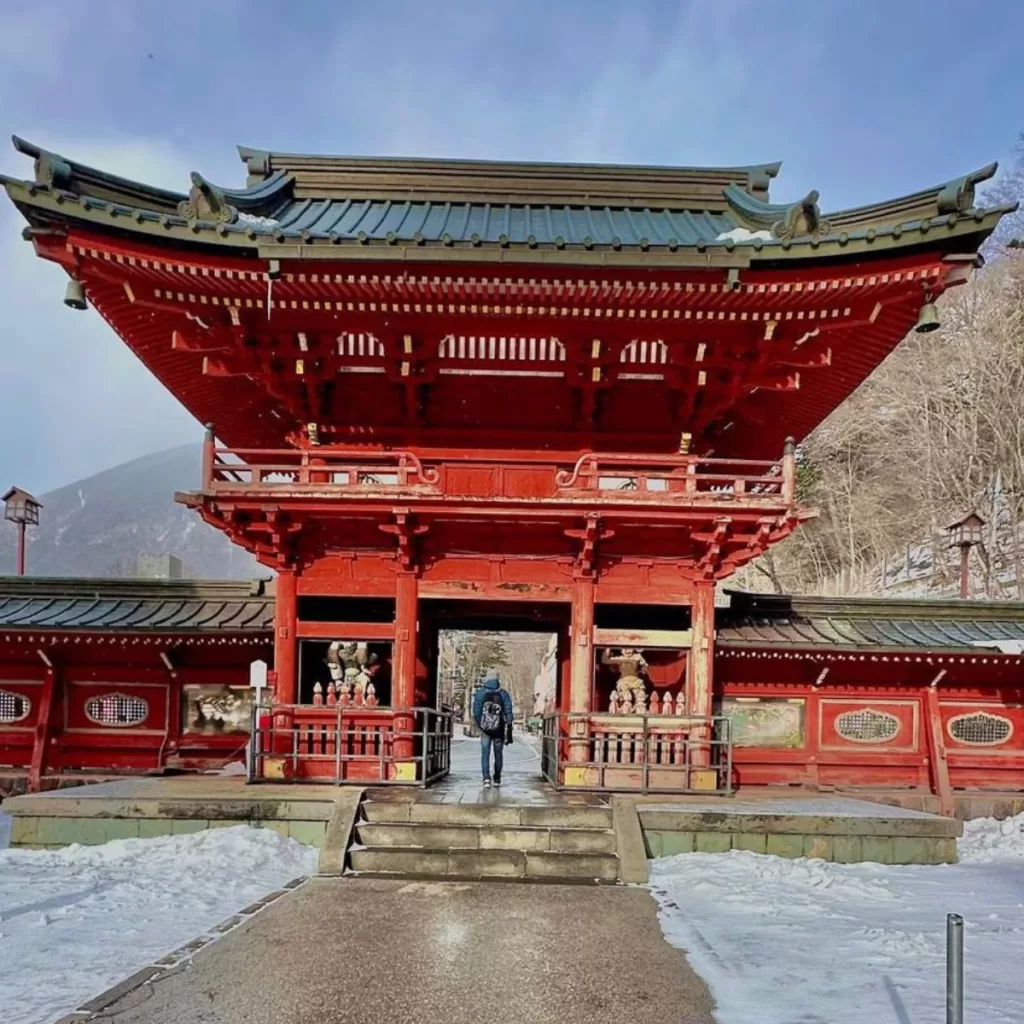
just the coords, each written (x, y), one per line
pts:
(809, 942)
(75, 921)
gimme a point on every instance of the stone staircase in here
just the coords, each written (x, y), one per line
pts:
(484, 841)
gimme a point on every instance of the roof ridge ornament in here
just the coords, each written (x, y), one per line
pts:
(958, 195)
(802, 218)
(51, 170)
(206, 201)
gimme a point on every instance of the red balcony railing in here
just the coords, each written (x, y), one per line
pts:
(611, 478)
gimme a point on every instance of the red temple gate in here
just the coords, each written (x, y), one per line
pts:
(512, 383)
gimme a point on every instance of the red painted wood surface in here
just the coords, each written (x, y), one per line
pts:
(632, 356)
(98, 665)
(891, 685)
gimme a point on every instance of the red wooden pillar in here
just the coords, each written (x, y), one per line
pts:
(700, 665)
(403, 676)
(41, 740)
(937, 748)
(564, 670)
(581, 668)
(286, 648)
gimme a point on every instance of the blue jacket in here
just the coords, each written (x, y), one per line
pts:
(489, 687)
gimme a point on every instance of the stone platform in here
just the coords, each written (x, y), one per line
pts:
(833, 828)
(840, 829)
(142, 808)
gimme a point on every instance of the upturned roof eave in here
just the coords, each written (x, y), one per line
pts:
(35, 203)
(641, 231)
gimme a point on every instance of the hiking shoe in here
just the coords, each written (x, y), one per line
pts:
(497, 781)
(487, 783)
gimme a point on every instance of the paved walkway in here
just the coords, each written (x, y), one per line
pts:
(521, 780)
(381, 952)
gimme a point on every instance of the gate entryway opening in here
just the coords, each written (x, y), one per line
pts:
(526, 644)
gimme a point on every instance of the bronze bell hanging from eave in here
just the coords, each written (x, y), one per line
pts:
(927, 319)
(74, 295)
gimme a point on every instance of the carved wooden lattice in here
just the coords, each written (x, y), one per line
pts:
(13, 707)
(866, 725)
(117, 709)
(980, 729)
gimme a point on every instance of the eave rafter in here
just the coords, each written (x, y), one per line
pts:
(731, 342)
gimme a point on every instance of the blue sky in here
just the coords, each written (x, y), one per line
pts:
(861, 99)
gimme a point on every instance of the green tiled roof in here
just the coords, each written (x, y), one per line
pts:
(131, 605)
(750, 620)
(343, 207)
(780, 621)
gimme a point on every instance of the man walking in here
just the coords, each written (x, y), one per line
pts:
(492, 712)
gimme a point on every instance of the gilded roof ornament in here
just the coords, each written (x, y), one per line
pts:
(802, 218)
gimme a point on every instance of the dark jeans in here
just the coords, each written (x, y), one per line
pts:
(486, 744)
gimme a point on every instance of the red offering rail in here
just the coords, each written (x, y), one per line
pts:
(300, 743)
(646, 753)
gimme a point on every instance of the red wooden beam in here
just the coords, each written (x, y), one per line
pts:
(307, 630)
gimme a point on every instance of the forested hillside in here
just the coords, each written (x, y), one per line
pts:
(935, 432)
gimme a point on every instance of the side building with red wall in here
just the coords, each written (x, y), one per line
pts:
(99, 676)
(843, 693)
(923, 697)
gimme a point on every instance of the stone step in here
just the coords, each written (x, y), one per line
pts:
(487, 815)
(507, 864)
(473, 837)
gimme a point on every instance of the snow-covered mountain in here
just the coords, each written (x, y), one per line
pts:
(101, 525)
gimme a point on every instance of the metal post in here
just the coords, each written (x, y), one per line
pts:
(954, 969)
(645, 754)
(250, 759)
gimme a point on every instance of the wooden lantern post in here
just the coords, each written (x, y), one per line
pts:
(965, 533)
(21, 509)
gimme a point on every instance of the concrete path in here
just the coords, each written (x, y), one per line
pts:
(383, 952)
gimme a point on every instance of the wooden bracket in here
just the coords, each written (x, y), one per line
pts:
(405, 532)
(592, 533)
(711, 560)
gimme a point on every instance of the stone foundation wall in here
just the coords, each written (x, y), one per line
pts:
(843, 840)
